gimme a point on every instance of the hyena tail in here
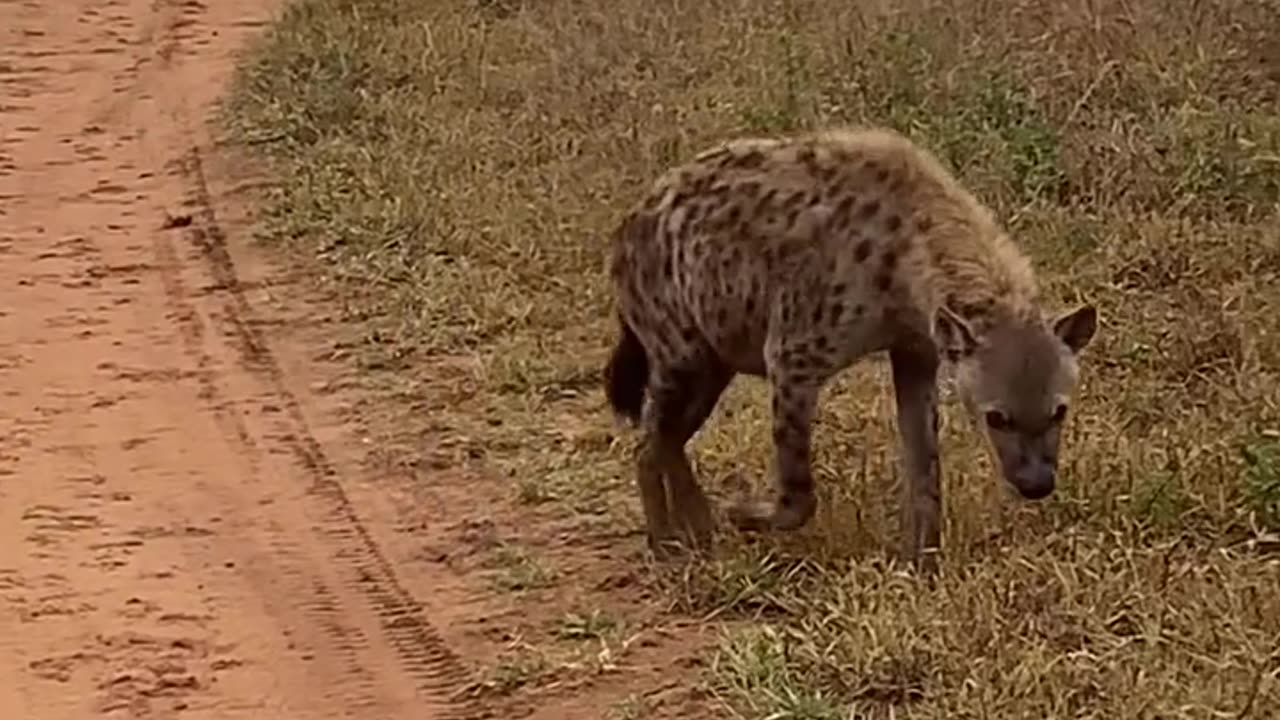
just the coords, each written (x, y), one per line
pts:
(626, 375)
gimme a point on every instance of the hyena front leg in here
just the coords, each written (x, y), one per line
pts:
(915, 376)
(794, 400)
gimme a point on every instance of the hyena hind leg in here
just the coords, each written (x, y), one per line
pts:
(681, 400)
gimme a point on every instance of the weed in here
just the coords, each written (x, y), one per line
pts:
(1262, 479)
(591, 626)
(1158, 500)
(632, 707)
(519, 569)
(756, 672)
(515, 670)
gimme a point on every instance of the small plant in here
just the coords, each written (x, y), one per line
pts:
(754, 673)
(745, 583)
(520, 569)
(1158, 500)
(1262, 480)
(632, 707)
(515, 671)
(591, 626)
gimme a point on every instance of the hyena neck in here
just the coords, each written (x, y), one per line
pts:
(974, 269)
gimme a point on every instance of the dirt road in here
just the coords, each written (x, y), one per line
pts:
(173, 539)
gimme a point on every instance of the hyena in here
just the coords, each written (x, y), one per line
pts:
(791, 258)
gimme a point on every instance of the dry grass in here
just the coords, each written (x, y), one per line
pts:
(456, 168)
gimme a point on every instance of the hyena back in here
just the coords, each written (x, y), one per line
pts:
(790, 259)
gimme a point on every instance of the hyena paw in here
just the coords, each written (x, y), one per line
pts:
(788, 512)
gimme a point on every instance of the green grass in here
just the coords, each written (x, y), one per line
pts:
(513, 671)
(518, 569)
(455, 169)
(1262, 480)
(632, 707)
(594, 625)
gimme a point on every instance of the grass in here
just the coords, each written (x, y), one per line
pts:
(518, 569)
(594, 625)
(455, 169)
(587, 644)
(632, 707)
(519, 667)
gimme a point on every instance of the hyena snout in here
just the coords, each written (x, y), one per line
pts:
(1028, 462)
(1034, 478)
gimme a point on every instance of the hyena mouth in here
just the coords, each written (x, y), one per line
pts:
(1034, 483)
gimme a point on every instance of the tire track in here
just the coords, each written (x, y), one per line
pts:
(174, 539)
(424, 654)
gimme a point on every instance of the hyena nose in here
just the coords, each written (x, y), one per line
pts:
(1035, 481)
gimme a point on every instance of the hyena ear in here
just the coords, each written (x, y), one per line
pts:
(1077, 327)
(953, 334)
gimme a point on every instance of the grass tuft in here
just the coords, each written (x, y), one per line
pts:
(1262, 479)
(519, 569)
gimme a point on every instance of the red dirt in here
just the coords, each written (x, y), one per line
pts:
(173, 537)
(183, 528)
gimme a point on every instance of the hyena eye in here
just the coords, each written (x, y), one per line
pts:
(997, 420)
(1060, 414)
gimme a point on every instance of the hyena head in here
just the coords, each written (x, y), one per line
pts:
(1016, 378)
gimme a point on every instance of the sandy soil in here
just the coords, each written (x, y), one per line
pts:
(174, 537)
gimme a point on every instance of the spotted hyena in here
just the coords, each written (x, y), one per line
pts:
(791, 258)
